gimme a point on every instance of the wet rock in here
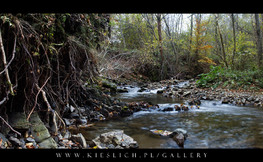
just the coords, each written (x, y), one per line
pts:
(187, 93)
(168, 109)
(225, 100)
(125, 113)
(180, 130)
(179, 139)
(194, 102)
(123, 90)
(179, 136)
(160, 91)
(185, 108)
(115, 138)
(243, 101)
(142, 89)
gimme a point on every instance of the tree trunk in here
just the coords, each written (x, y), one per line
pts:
(171, 41)
(234, 37)
(190, 41)
(222, 43)
(159, 27)
(259, 40)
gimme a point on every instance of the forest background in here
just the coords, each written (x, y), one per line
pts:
(183, 46)
(57, 55)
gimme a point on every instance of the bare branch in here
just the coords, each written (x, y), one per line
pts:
(13, 56)
(10, 126)
(5, 64)
(36, 98)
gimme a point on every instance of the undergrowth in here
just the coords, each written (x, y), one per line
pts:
(231, 79)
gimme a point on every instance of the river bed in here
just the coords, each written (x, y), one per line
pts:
(214, 125)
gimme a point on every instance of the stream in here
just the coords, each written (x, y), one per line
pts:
(214, 125)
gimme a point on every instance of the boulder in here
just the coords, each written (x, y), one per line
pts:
(180, 130)
(48, 143)
(179, 139)
(115, 139)
(142, 89)
(18, 121)
(179, 135)
(124, 90)
(187, 93)
(225, 100)
(194, 101)
(110, 85)
(38, 129)
(168, 109)
(15, 141)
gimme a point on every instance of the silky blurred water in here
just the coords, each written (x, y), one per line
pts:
(214, 125)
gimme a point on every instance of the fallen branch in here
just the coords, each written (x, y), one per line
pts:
(10, 126)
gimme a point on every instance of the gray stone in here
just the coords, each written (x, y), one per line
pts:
(179, 139)
(117, 138)
(48, 143)
(225, 100)
(67, 135)
(18, 120)
(187, 93)
(15, 141)
(124, 90)
(180, 130)
(38, 129)
(108, 84)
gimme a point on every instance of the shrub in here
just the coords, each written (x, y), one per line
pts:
(231, 79)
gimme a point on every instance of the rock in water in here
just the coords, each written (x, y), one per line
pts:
(179, 136)
(115, 139)
(179, 139)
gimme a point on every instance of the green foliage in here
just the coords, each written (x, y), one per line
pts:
(214, 75)
(232, 79)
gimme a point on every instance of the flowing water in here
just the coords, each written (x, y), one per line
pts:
(214, 125)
